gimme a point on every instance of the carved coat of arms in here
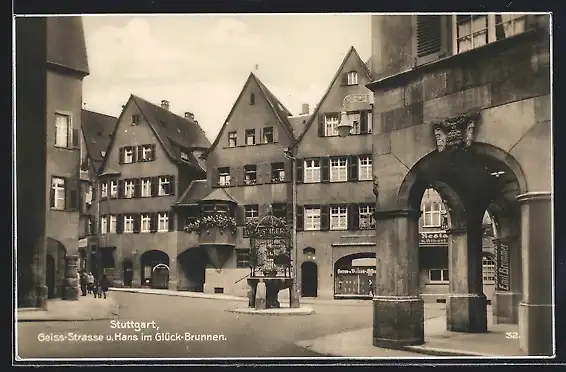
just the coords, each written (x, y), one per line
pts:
(456, 131)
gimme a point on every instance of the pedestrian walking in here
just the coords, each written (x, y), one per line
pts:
(90, 283)
(83, 283)
(104, 285)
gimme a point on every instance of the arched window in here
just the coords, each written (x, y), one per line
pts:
(488, 269)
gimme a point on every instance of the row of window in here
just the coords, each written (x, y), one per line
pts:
(136, 223)
(265, 136)
(442, 276)
(362, 123)
(65, 135)
(138, 187)
(336, 217)
(334, 169)
(141, 153)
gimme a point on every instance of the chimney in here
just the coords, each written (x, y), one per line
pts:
(189, 115)
(165, 104)
(305, 109)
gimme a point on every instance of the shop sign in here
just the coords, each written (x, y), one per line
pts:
(356, 271)
(433, 238)
(502, 265)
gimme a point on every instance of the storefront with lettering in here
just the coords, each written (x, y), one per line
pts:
(354, 282)
(434, 275)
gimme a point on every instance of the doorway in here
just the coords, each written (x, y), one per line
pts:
(128, 273)
(309, 279)
(50, 276)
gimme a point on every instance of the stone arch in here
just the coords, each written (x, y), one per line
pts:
(191, 269)
(149, 259)
(55, 272)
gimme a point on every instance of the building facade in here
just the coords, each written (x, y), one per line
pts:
(462, 104)
(48, 245)
(153, 155)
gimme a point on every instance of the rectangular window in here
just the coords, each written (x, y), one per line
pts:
(251, 211)
(338, 218)
(356, 128)
(352, 78)
(250, 174)
(128, 155)
(471, 31)
(62, 130)
(224, 176)
(128, 224)
(145, 224)
(432, 214)
(58, 193)
(312, 219)
(509, 24)
(147, 153)
(312, 171)
(277, 172)
(268, 135)
(488, 270)
(184, 156)
(367, 219)
(438, 275)
(104, 190)
(112, 223)
(146, 187)
(365, 168)
(113, 189)
(280, 210)
(164, 186)
(250, 137)
(242, 258)
(103, 225)
(331, 124)
(129, 188)
(135, 119)
(163, 222)
(232, 139)
(338, 169)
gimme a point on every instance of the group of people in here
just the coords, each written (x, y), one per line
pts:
(89, 285)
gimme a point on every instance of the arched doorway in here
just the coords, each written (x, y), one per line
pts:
(149, 260)
(50, 273)
(354, 276)
(128, 272)
(191, 265)
(309, 279)
(160, 276)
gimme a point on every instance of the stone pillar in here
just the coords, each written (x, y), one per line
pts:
(536, 308)
(260, 296)
(70, 283)
(173, 274)
(466, 306)
(136, 271)
(507, 280)
(398, 309)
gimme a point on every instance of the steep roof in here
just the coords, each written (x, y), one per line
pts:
(336, 76)
(173, 131)
(219, 195)
(281, 112)
(66, 46)
(299, 124)
(97, 131)
(196, 190)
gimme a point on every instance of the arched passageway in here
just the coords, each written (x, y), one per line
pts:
(149, 260)
(191, 266)
(55, 268)
(354, 276)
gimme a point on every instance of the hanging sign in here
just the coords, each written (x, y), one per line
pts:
(433, 238)
(502, 265)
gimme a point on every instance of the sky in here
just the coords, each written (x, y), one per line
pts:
(199, 63)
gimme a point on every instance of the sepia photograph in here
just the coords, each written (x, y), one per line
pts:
(333, 186)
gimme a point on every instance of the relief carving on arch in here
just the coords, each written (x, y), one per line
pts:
(456, 131)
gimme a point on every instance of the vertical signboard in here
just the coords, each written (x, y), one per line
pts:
(502, 266)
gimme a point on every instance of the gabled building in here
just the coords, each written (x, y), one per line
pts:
(335, 203)
(247, 172)
(51, 64)
(152, 157)
(97, 129)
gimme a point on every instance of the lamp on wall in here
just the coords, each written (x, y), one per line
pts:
(345, 124)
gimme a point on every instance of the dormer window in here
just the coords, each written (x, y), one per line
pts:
(352, 78)
(184, 156)
(146, 153)
(250, 137)
(252, 99)
(136, 119)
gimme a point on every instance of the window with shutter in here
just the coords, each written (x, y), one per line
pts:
(137, 187)
(321, 127)
(344, 79)
(300, 218)
(324, 170)
(139, 154)
(137, 222)
(121, 155)
(119, 223)
(324, 218)
(430, 39)
(72, 194)
(364, 123)
(171, 221)
(120, 189)
(172, 185)
(299, 170)
(154, 186)
(134, 150)
(353, 217)
(353, 168)
(153, 222)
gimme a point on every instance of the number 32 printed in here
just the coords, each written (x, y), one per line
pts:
(512, 335)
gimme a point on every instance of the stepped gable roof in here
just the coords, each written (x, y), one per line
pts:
(66, 45)
(97, 130)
